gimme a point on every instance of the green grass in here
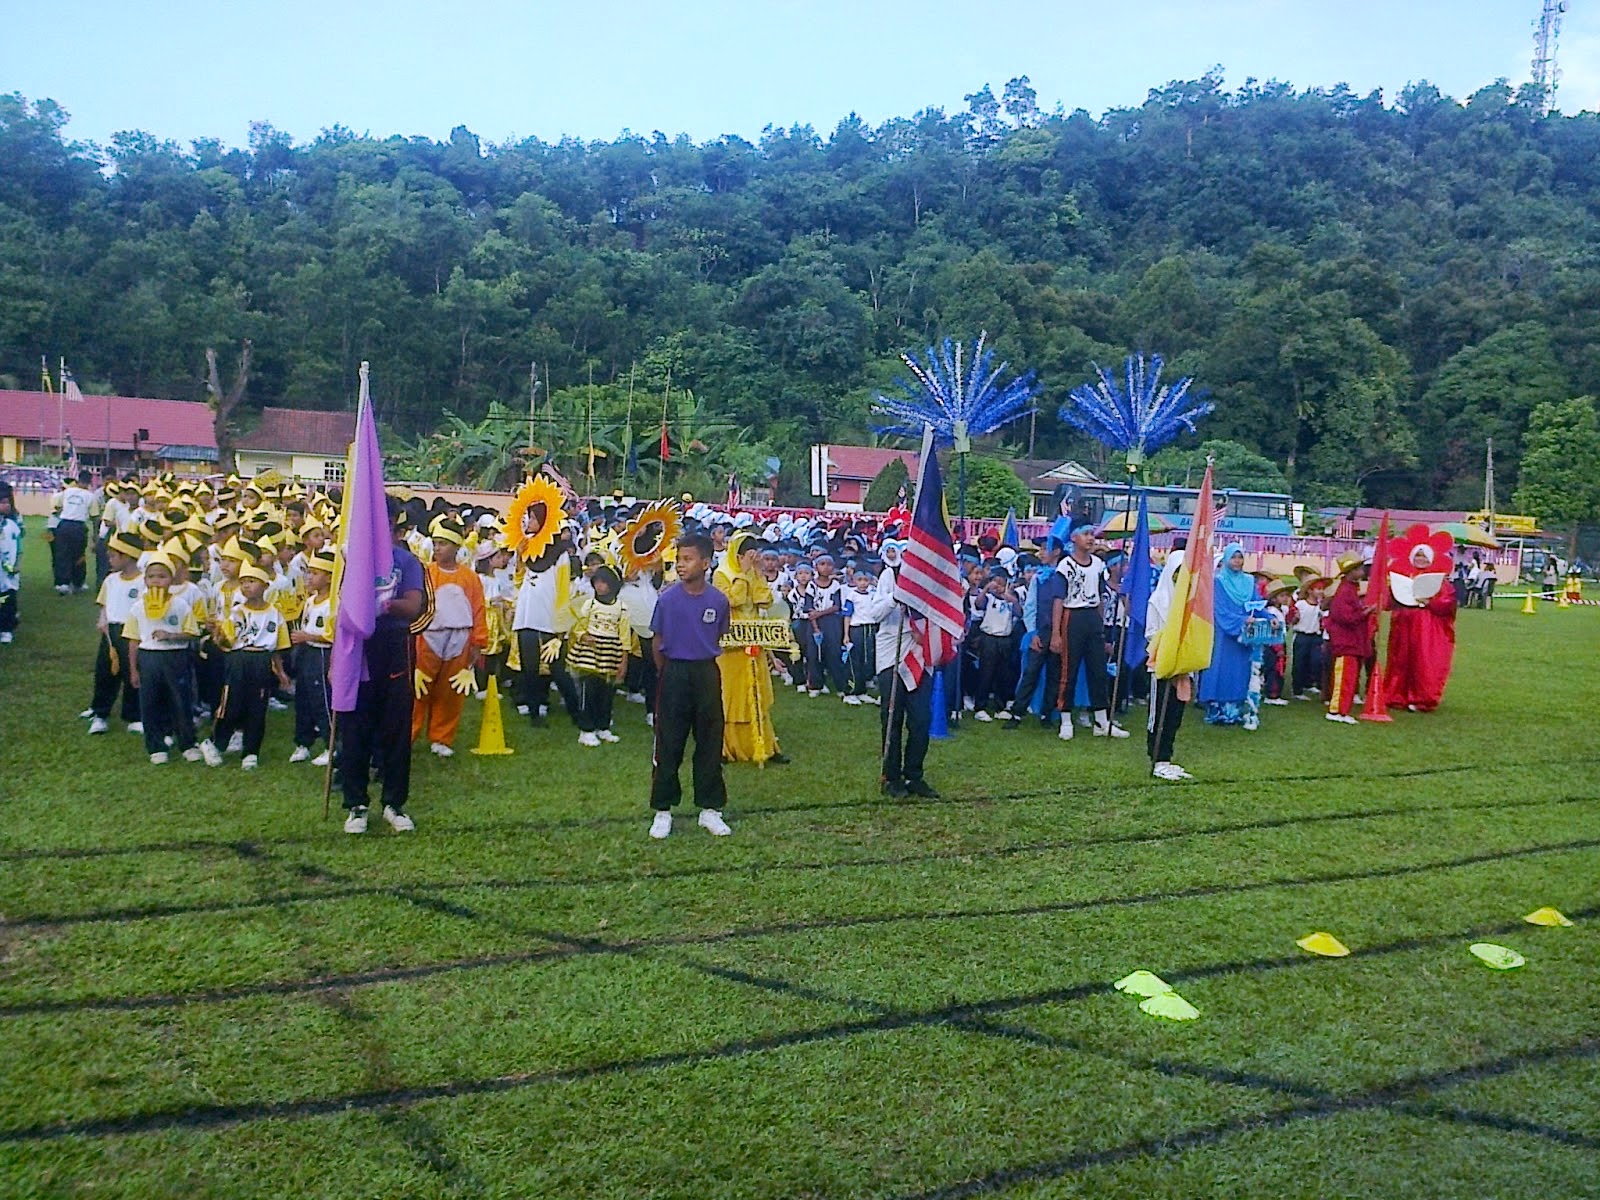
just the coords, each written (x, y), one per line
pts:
(207, 990)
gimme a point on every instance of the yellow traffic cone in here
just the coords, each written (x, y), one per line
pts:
(1561, 599)
(1527, 604)
(492, 733)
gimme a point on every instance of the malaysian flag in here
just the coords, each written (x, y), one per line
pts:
(929, 583)
(735, 496)
(69, 387)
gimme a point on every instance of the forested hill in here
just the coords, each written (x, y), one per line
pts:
(1368, 290)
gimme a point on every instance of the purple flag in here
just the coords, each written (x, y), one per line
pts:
(368, 559)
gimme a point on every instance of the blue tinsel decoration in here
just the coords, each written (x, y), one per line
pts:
(948, 391)
(1140, 418)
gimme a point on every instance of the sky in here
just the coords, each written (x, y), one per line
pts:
(182, 69)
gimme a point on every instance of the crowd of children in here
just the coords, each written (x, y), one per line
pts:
(216, 608)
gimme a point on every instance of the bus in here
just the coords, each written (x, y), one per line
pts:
(1268, 513)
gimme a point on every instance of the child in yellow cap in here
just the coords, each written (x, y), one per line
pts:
(160, 628)
(118, 594)
(312, 638)
(254, 634)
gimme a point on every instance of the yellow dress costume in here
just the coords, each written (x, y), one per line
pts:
(747, 733)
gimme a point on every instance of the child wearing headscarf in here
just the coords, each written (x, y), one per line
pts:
(1225, 683)
(597, 653)
(747, 734)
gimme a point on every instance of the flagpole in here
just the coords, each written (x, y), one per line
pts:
(1127, 619)
(627, 454)
(661, 466)
(61, 407)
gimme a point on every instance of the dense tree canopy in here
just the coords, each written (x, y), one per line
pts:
(1368, 290)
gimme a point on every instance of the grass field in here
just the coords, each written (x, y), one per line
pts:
(207, 990)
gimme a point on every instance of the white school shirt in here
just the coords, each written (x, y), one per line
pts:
(179, 618)
(1307, 617)
(536, 601)
(1084, 583)
(258, 629)
(75, 502)
(317, 619)
(640, 596)
(118, 595)
(999, 617)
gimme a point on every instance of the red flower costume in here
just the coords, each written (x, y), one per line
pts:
(1422, 624)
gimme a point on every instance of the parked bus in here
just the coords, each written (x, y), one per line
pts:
(1244, 512)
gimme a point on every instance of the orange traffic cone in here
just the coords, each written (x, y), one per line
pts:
(492, 733)
(1376, 707)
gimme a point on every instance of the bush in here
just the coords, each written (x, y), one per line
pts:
(992, 488)
(885, 488)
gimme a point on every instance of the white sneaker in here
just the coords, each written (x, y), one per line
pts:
(635, 697)
(98, 725)
(968, 704)
(442, 750)
(159, 758)
(605, 735)
(5, 639)
(1066, 728)
(661, 825)
(356, 822)
(1166, 771)
(801, 687)
(853, 701)
(1359, 701)
(301, 754)
(169, 741)
(522, 710)
(135, 726)
(249, 762)
(209, 752)
(398, 821)
(320, 760)
(981, 714)
(192, 754)
(236, 743)
(544, 710)
(276, 705)
(825, 692)
(480, 695)
(650, 720)
(871, 700)
(711, 821)
(1277, 702)
(588, 739)
(1179, 771)
(1112, 730)
(87, 714)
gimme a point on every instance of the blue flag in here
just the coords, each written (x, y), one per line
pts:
(1008, 534)
(1137, 583)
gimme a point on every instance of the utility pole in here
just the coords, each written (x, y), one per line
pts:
(533, 400)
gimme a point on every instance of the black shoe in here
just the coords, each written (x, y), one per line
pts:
(1013, 724)
(921, 787)
(781, 760)
(894, 789)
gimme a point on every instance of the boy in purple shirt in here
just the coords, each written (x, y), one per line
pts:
(690, 618)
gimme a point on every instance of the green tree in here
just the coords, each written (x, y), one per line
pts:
(1488, 391)
(1237, 466)
(886, 485)
(993, 488)
(1561, 466)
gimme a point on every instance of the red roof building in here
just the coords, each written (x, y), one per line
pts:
(298, 443)
(841, 475)
(129, 431)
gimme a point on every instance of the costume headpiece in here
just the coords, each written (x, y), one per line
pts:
(646, 537)
(1419, 563)
(535, 517)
